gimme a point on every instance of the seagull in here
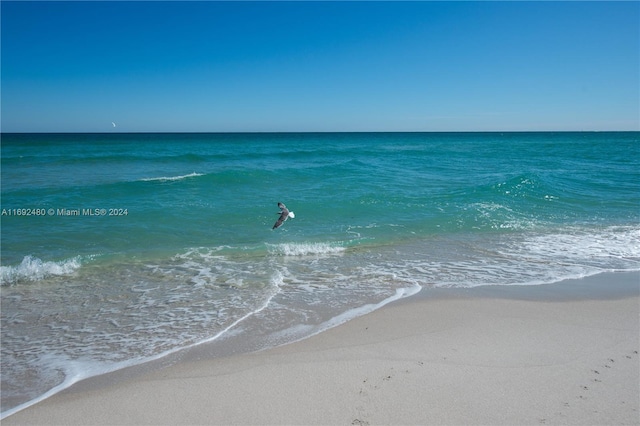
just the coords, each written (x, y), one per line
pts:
(284, 215)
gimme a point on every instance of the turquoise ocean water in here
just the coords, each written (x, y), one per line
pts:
(122, 248)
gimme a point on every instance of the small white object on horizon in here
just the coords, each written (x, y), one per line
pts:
(114, 124)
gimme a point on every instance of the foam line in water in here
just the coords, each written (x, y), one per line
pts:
(276, 280)
(306, 331)
(363, 310)
(171, 178)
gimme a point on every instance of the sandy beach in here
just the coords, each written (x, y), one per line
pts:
(558, 354)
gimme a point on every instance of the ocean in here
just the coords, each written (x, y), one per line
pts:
(118, 249)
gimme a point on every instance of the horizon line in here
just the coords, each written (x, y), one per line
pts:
(315, 132)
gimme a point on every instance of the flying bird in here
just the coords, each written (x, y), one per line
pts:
(113, 124)
(284, 215)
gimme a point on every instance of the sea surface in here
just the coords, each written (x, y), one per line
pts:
(118, 249)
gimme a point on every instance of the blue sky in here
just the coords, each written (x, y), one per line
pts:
(324, 66)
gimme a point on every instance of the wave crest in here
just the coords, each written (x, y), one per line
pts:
(34, 269)
(304, 249)
(171, 178)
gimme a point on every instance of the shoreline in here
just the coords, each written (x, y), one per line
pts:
(506, 336)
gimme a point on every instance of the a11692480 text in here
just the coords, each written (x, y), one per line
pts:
(65, 212)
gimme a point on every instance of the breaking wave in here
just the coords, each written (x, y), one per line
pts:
(305, 249)
(35, 269)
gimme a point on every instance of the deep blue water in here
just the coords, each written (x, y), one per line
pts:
(118, 248)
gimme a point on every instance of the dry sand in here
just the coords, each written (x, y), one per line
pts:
(488, 356)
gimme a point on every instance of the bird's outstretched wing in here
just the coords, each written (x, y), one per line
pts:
(281, 219)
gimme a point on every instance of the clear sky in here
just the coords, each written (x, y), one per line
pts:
(323, 66)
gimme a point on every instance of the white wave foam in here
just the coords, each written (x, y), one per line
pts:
(520, 259)
(34, 269)
(305, 249)
(171, 178)
(606, 248)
